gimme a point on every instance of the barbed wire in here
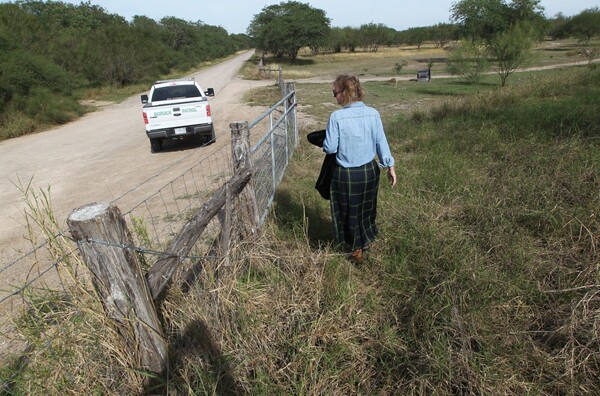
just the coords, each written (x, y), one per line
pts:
(146, 203)
(141, 249)
(135, 188)
(162, 171)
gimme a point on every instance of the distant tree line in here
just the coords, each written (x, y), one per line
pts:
(503, 33)
(371, 36)
(284, 28)
(583, 26)
(485, 32)
(49, 49)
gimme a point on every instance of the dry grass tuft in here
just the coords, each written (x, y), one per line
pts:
(273, 321)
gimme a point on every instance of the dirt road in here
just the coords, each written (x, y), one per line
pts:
(100, 156)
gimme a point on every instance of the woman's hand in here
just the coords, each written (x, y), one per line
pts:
(392, 176)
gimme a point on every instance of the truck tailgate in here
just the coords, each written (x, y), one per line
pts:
(176, 115)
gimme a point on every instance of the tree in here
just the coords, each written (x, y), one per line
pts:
(443, 33)
(529, 11)
(179, 32)
(336, 40)
(585, 25)
(557, 27)
(510, 48)
(416, 36)
(352, 38)
(285, 28)
(372, 35)
(508, 31)
(484, 19)
(480, 19)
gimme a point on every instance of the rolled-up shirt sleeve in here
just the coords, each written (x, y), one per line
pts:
(383, 148)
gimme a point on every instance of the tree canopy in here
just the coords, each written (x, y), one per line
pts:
(510, 49)
(484, 19)
(285, 28)
(104, 48)
(585, 25)
(50, 49)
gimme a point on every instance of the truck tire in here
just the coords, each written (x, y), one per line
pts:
(155, 145)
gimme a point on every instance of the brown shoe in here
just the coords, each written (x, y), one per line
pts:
(358, 256)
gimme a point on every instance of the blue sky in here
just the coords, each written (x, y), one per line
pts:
(235, 15)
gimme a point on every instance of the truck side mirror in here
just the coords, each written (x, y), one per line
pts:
(209, 92)
(144, 99)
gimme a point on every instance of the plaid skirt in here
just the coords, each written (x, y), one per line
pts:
(354, 204)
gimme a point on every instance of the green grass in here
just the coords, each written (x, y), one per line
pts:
(488, 258)
(483, 280)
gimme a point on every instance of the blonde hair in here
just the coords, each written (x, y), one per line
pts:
(350, 88)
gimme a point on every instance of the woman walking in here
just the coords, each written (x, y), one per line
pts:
(355, 134)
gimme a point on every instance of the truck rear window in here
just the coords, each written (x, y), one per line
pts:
(175, 92)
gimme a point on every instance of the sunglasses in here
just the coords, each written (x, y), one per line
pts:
(335, 93)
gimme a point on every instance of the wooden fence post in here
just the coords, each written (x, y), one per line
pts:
(102, 235)
(291, 87)
(242, 158)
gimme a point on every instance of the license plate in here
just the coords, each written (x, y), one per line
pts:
(180, 131)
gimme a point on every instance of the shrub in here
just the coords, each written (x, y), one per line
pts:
(15, 124)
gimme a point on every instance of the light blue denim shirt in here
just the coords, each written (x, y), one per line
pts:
(355, 133)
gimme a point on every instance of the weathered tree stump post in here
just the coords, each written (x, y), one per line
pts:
(242, 158)
(101, 235)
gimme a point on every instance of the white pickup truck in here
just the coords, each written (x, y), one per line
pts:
(177, 109)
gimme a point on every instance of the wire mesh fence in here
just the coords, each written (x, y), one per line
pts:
(271, 154)
(156, 219)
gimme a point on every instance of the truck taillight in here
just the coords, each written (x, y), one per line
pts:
(145, 117)
(208, 110)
